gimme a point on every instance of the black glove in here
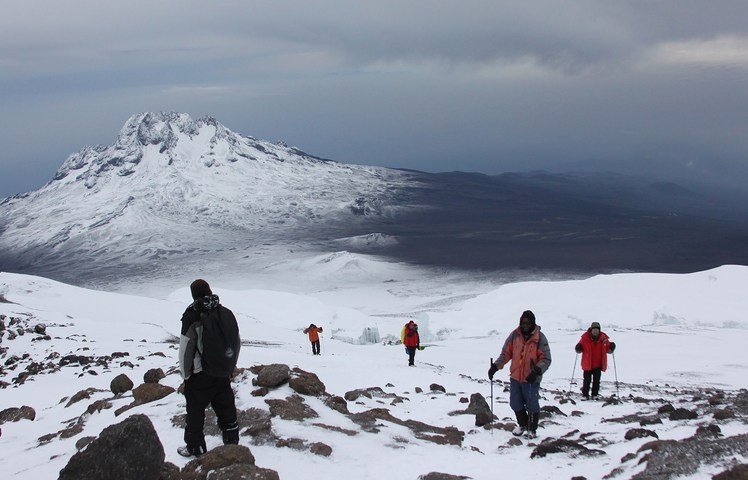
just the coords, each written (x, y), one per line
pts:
(578, 348)
(534, 374)
(492, 371)
(612, 346)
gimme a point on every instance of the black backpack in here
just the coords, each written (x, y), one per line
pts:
(221, 342)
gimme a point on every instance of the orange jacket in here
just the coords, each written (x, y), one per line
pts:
(313, 333)
(525, 354)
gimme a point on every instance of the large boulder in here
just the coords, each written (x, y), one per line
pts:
(272, 376)
(129, 450)
(227, 462)
(121, 384)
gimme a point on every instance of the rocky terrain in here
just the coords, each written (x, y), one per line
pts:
(130, 428)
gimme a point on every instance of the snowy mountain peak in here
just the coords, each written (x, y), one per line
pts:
(174, 184)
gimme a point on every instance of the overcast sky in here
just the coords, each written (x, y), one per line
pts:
(649, 87)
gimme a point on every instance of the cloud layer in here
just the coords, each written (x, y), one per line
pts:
(646, 87)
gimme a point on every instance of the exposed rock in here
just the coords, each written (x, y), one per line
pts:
(272, 376)
(154, 375)
(724, 414)
(560, 445)
(127, 450)
(14, 414)
(336, 403)
(260, 392)
(442, 436)
(306, 383)
(292, 408)
(639, 433)
(442, 476)
(683, 414)
(667, 408)
(435, 387)
(321, 449)
(548, 410)
(478, 407)
(121, 384)
(150, 392)
(169, 471)
(40, 328)
(82, 395)
(227, 462)
(83, 442)
(371, 392)
(671, 459)
(98, 406)
(738, 472)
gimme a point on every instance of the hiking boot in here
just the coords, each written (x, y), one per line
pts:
(191, 450)
(519, 430)
(531, 434)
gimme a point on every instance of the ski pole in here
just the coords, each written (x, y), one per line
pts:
(615, 370)
(491, 399)
(571, 382)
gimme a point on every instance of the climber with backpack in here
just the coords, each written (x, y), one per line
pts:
(208, 352)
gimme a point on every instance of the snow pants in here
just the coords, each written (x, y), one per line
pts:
(315, 347)
(411, 355)
(591, 376)
(201, 390)
(524, 396)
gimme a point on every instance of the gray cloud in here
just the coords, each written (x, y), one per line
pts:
(643, 87)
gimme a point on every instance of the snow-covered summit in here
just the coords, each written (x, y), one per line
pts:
(174, 185)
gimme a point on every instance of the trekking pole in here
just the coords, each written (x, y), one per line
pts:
(320, 344)
(571, 382)
(615, 370)
(491, 400)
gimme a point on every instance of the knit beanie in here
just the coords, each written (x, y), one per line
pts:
(595, 325)
(199, 289)
(529, 315)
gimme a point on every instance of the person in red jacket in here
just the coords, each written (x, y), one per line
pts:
(594, 347)
(411, 340)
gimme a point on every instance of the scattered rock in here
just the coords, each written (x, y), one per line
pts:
(738, 472)
(435, 387)
(14, 414)
(130, 449)
(121, 384)
(683, 414)
(292, 408)
(272, 376)
(153, 375)
(321, 449)
(306, 383)
(150, 392)
(639, 433)
(227, 462)
(442, 476)
(560, 445)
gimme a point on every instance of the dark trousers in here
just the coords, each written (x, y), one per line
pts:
(592, 376)
(201, 390)
(315, 347)
(411, 355)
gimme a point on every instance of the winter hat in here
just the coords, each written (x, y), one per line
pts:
(595, 325)
(200, 289)
(529, 315)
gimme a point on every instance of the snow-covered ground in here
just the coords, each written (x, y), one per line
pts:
(674, 333)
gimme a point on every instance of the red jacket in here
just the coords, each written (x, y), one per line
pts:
(594, 351)
(411, 338)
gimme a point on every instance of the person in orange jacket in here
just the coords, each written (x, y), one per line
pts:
(594, 345)
(313, 331)
(411, 340)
